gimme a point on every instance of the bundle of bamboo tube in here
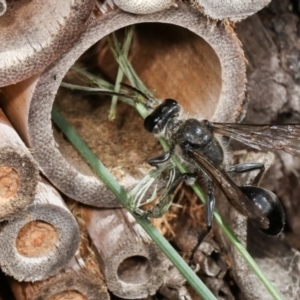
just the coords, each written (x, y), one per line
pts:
(40, 246)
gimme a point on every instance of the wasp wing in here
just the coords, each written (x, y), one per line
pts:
(230, 189)
(281, 137)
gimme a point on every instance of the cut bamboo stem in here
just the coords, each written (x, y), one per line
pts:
(234, 10)
(220, 97)
(3, 7)
(19, 172)
(42, 240)
(134, 267)
(79, 281)
(34, 33)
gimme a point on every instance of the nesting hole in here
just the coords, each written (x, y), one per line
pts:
(135, 270)
(68, 295)
(36, 238)
(9, 183)
(173, 62)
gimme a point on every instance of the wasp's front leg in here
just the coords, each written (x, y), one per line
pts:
(155, 161)
(165, 200)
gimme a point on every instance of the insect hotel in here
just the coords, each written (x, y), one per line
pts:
(149, 149)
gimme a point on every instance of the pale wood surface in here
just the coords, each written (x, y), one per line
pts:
(19, 172)
(27, 47)
(56, 243)
(221, 45)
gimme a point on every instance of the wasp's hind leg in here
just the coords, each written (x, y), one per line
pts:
(248, 167)
(210, 206)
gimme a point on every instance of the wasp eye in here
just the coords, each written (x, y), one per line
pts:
(159, 118)
(269, 205)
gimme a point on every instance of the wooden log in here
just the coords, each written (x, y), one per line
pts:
(42, 240)
(233, 10)
(220, 89)
(81, 279)
(35, 33)
(19, 172)
(133, 266)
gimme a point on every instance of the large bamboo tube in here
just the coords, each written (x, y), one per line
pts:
(18, 172)
(234, 10)
(81, 279)
(42, 240)
(217, 87)
(35, 33)
(133, 266)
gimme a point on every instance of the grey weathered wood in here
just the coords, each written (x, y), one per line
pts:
(35, 33)
(227, 75)
(79, 281)
(19, 172)
(133, 266)
(41, 241)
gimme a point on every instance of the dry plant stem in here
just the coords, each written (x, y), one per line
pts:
(41, 241)
(235, 10)
(19, 172)
(134, 267)
(78, 281)
(218, 40)
(34, 33)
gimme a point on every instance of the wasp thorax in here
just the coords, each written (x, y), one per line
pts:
(159, 118)
(194, 132)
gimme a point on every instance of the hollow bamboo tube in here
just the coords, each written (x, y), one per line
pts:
(132, 264)
(80, 280)
(41, 241)
(234, 10)
(34, 33)
(220, 80)
(19, 172)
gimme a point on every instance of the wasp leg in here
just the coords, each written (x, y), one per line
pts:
(248, 167)
(155, 161)
(210, 206)
(163, 204)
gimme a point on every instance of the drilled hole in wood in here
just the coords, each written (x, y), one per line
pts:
(135, 269)
(36, 238)
(9, 183)
(68, 295)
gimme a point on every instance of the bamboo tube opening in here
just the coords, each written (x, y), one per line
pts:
(50, 28)
(135, 269)
(68, 295)
(36, 238)
(211, 86)
(9, 183)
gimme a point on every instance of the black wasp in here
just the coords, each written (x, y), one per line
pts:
(198, 145)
